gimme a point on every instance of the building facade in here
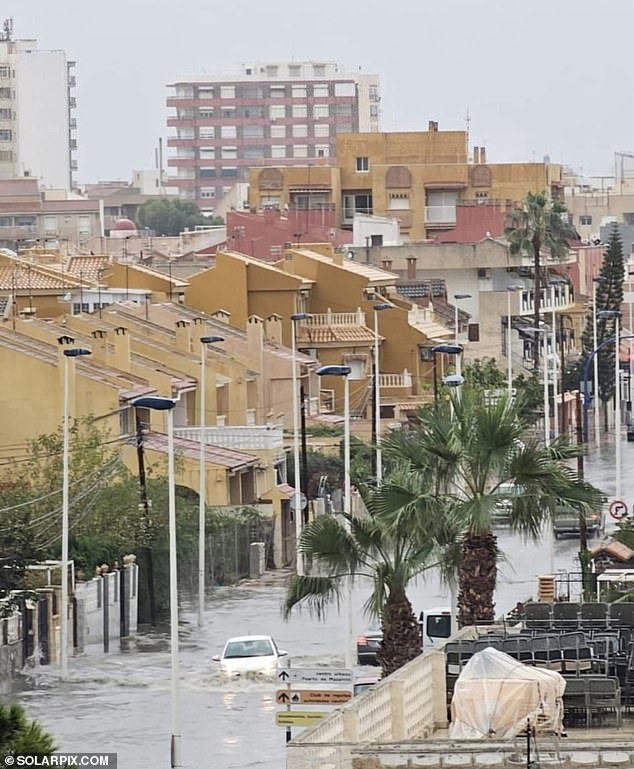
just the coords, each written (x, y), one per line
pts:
(36, 112)
(283, 113)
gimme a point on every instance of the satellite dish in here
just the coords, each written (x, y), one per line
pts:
(303, 500)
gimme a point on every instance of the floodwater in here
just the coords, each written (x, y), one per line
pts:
(120, 702)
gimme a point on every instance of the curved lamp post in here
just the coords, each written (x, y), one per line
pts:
(202, 484)
(167, 404)
(457, 298)
(344, 371)
(70, 352)
(444, 349)
(377, 390)
(299, 513)
(509, 354)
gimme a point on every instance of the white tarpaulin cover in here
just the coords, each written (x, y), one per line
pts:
(495, 694)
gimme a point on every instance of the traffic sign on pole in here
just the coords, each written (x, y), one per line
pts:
(618, 509)
(298, 717)
(315, 675)
(313, 696)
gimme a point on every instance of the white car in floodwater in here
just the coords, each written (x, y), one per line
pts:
(250, 655)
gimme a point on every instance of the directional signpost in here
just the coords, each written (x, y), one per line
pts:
(290, 718)
(315, 675)
(313, 697)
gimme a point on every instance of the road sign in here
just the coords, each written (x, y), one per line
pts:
(313, 697)
(618, 509)
(314, 675)
(298, 717)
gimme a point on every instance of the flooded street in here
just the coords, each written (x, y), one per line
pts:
(120, 702)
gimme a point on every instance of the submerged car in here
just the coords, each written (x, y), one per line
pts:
(250, 655)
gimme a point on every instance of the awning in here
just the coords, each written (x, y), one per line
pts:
(309, 190)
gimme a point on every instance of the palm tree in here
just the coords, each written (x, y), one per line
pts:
(539, 223)
(389, 552)
(477, 454)
(21, 737)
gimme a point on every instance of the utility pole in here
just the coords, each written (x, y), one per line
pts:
(304, 453)
(562, 359)
(146, 525)
(584, 559)
(374, 424)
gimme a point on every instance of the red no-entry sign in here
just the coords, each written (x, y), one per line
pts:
(618, 509)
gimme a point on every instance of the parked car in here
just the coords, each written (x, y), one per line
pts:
(435, 626)
(250, 655)
(361, 685)
(566, 521)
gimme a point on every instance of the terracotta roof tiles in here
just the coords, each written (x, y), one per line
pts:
(325, 334)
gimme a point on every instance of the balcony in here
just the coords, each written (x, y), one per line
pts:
(564, 299)
(394, 381)
(440, 215)
(327, 319)
(242, 438)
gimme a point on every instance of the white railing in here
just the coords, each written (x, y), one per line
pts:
(438, 214)
(420, 315)
(396, 380)
(563, 299)
(254, 437)
(336, 319)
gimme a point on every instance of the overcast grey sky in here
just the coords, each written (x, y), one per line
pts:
(547, 77)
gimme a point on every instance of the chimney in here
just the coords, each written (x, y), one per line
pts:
(386, 264)
(100, 345)
(432, 126)
(273, 329)
(222, 315)
(411, 268)
(255, 336)
(121, 343)
(483, 155)
(183, 336)
(476, 155)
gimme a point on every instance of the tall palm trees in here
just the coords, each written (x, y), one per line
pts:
(478, 456)
(540, 223)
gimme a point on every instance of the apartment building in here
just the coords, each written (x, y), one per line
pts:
(36, 112)
(415, 177)
(281, 113)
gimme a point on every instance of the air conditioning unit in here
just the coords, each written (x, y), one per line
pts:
(484, 274)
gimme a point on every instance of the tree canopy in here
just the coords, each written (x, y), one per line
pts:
(171, 216)
(21, 737)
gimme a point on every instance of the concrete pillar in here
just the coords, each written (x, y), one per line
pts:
(439, 688)
(397, 712)
(257, 561)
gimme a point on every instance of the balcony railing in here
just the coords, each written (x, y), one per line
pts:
(420, 315)
(563, 299)
(440, 214)
(395, 380)
(336, 319)
(244, 438)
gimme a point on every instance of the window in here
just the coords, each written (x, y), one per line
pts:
(362, 164)
(207, 173)
(5, 114)
(278, 151)
(207, 153)
(374, 93)
(277, 111)
(277, 91)
(585, 219)
(206, 132)
(321, 110)
(229, 112)
(5, 71)
(270, 201)
(319, 70)
(300, 150)
(228, 132)
(321, 129)
(343, 110)
(251, 92)
(272, 70)
(205, 93)
(229, 172)
(322, 150)
(345, 89)
(253, 131)
(25, 221)
(6, 155)
(230, 153)
(205, 112)
(185, 133)
(207, 192)
(50, 224)
(299, 91)
(320, 91)
(227, 92)
(254, 152)
(374, 110)
(344, 128)
(83, 225)
(254, 112)
(300, 130)
(278, 131)
(5, 93)
(399, 201)
(356, 204)
(5, 135)
(300, 110)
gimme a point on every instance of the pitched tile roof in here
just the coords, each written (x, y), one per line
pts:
(214, 455)
(325, 334)
(88, 267)
(21, 278)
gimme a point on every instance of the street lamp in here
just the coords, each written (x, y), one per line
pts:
(553, 283)
(377, 391)
(509, 357)
(446, 349)
(630, 350)
(167, 404)
(457, 298)
(344, 371)
(299, 513)
(202, 488)
(597, 427)
(71, 352)
(615, 315)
